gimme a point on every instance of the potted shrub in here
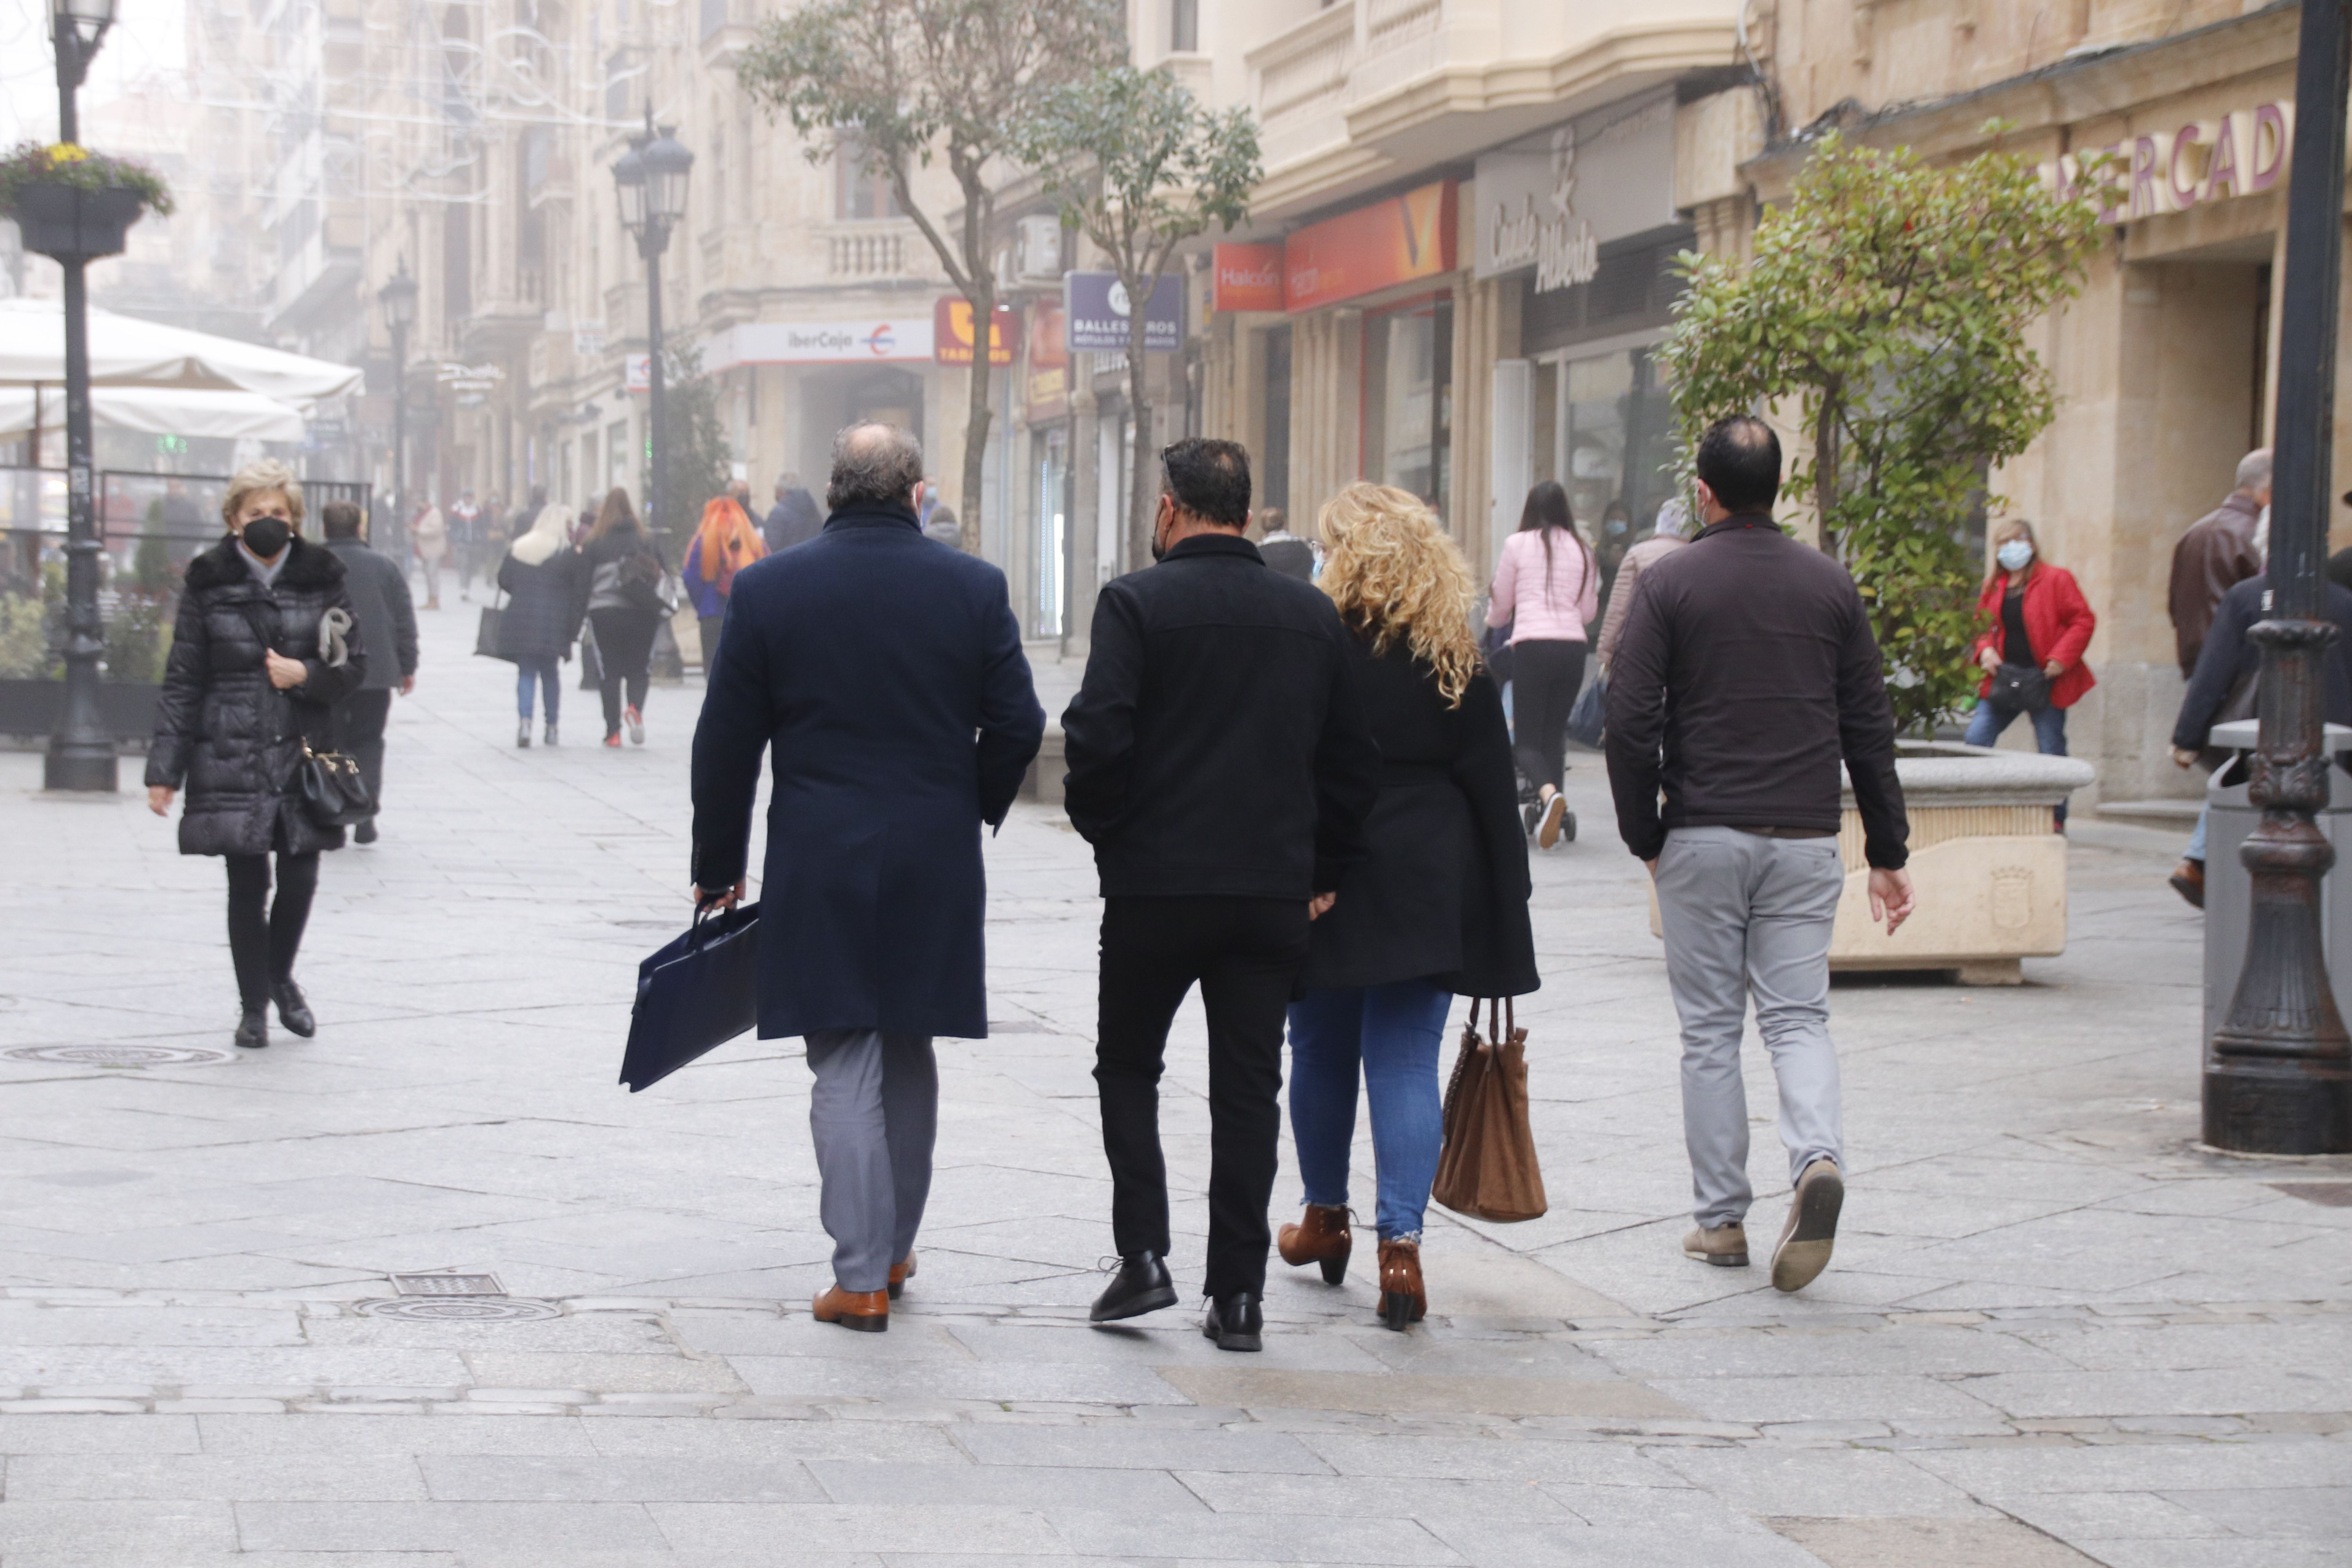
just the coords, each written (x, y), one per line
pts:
(73, 203)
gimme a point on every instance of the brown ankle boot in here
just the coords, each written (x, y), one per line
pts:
(1322, 1236)
(1402, 1301)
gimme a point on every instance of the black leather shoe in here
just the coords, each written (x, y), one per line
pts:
(293, 1011)
(253, 1031)
(1141, 1286)
(1234, 1321)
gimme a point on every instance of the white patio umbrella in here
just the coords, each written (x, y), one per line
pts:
(125, 351)
(160, 411)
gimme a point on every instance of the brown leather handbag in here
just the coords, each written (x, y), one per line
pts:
(1486, 1167)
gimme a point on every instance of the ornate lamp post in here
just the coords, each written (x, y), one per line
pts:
(651, 180)
(398, 298)
(2278, 1073)
(81, 750)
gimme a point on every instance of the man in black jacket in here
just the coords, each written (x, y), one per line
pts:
(1221, 767)
(794, 519)
(1745, 674)
(386, 613)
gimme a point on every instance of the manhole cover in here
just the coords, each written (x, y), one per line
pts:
(117, 1056)
(447, 1285)
(2333, 1194)
(461, 1308)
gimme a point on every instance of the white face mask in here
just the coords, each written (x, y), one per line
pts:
(2014, 556)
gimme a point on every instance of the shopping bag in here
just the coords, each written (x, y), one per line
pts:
(1486, 1167)
(694, 995)
(486, 636)
(1587, 721)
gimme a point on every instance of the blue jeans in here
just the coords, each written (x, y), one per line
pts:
(2049, 731)
(1391, 1034)
(542, 670)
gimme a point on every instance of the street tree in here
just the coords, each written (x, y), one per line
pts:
(897, 83)
(697, 462)
(1890, 302)
(1140, 166)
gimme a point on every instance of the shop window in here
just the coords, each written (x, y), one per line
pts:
(1184, 26)
(1051, 467)
(1409, 400)
(1274, 456)
(1610, 442)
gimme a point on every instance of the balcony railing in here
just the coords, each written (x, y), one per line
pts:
(867, 253)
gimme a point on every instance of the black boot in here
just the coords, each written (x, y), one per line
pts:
(253, 1030)
(1141, 1285)
(1234, 1321)
(292, 1010)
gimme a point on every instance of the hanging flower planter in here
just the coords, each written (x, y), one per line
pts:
(76, 205)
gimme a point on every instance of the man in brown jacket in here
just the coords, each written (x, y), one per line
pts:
(2215, 555)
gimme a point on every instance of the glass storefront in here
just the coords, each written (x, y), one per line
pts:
(1603, 424)
(1409, 399)
(1050, 468)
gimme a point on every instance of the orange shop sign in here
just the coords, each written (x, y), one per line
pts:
(1248, 278)
(1399, 240)
(951, 332)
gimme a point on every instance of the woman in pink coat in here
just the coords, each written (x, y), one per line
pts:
(1547, 589)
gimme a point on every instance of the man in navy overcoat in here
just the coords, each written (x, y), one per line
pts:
(886, 670)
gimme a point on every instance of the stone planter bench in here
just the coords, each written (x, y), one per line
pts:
(1988, 871)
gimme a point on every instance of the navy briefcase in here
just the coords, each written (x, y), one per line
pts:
(694, 995)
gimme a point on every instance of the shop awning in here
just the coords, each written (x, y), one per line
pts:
(125, 351)
(159, 411)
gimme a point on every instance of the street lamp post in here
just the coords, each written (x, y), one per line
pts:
(81, 750)
(651, 180)
(399, 301)
(2278, 1073)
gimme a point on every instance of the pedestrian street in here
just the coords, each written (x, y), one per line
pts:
(2053, 1333)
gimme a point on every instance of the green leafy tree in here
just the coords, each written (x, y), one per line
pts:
(1138, 167)
(1889, 300)
(896, 83)
(697, 462)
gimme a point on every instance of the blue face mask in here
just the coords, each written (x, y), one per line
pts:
(2014, 556)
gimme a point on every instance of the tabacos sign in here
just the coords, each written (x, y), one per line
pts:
(2242, 153)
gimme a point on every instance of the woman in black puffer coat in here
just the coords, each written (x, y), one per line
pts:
(258, 660)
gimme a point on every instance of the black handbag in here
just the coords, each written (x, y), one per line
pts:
(694, 995)
(486, 636)
(1587, 721)
(2021, 686)
(333, 792)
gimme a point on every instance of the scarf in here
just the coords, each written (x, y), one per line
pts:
(728, 544)
(548, 535)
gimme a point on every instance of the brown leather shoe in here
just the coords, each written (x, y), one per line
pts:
(1726, 1246)
(1322, 1236)
(2187, 879)
(868, 1311)
(1402, 1301)
(901, 1272)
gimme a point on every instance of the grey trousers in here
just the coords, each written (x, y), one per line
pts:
(873, 1113)
(1745, 914)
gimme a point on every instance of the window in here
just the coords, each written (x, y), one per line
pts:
(1185, 27)
(1409, 400)
(861, 186)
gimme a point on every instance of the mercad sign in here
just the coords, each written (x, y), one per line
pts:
(1099, 311)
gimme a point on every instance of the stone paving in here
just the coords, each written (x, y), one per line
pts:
(2055, 1332)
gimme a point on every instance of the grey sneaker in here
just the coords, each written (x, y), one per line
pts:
(1726, 1246)
(1811, 1229)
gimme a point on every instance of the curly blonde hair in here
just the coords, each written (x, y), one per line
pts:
(1393, 573)
(260, 478)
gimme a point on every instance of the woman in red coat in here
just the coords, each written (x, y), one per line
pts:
(2034, 617)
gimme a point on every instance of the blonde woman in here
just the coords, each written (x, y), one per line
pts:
(258, 661)
(1439, 909)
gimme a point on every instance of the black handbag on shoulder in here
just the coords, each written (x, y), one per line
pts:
(2021, 686)
(486, 636)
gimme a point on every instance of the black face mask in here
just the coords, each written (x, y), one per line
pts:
(266, 536)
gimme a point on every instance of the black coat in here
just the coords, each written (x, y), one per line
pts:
(794, 519)
(1444, 893)
(886, 675)
(386, 613)
(221, 729)
(1217, 745)
(544, 607)
(2229, 657)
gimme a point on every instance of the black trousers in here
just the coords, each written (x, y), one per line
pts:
(625, 651)
(1245, 954)
(360, 719)
(262, 943)
(709, 627)
(1545, 676)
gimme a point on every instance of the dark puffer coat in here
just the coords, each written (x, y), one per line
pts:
(221, 729)
(545, 605)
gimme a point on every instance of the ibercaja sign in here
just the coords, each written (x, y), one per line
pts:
(1098, 311)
